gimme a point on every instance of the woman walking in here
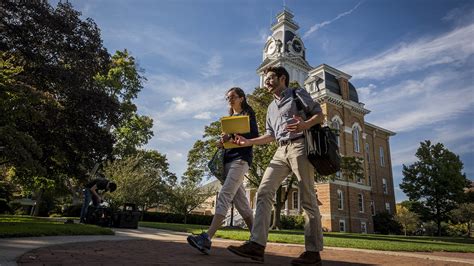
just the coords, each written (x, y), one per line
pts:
(237, 162)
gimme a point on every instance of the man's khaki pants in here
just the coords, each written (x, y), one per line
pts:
(289, 158)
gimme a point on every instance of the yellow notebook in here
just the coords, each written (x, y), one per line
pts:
(235, 125)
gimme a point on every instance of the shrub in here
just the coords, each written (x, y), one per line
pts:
(384, 223)
(292, 221)
(456, 229)
(72, 210)
(4, 207)
(163, 217)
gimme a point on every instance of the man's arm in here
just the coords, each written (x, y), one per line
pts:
(94, 192)
(301, 125)
(242, 141)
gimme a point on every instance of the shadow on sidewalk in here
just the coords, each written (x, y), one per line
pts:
(139, 252)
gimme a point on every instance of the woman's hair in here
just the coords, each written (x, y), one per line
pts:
(246, 108)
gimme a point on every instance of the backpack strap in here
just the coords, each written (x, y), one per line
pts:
(299, 104)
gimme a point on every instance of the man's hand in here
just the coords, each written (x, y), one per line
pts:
(298, 126)
(241, 141)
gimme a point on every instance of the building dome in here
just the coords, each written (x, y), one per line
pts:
(332, 84)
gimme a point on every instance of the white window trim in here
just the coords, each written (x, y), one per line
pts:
(297, 200)
(358, 202)
(384, 186)
(365, 227)
(337, 119)
(387, 207)
(356, 137)
(372, 207)
(344, 225)
(340, 199)
(382, 156)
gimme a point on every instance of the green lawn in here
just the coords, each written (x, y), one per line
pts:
(27, 226)
(346, 240)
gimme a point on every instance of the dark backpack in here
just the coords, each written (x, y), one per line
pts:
(321, 146)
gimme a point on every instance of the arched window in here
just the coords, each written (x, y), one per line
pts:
(356, 138)
(340, 200)
(336, 123)
(337, 126)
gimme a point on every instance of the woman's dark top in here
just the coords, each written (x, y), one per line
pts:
(244, 153)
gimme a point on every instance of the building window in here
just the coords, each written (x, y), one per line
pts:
(363, 227)
(367, 152)
(384, 185)
(340, 200)
(360, 179)
(295, 200)
(382, 156)
(356, 137)
(342, 225)
(372, 207)
(337, 125)
(370, 180)
(387, 207)
(361, 202)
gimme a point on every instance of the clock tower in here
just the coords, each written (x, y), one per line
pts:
(285, 48)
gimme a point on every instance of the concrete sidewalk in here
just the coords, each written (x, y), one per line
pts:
(151, 246)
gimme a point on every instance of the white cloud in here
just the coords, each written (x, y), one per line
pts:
(413, 104)
(453, 47)
(203, 116)
(213, 66)
(180, 103)
(318, 26)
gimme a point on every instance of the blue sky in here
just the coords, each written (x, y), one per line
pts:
(412, 62)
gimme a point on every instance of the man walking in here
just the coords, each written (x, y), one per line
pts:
(285, 125)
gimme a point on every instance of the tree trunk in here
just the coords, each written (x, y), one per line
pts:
(232, 215)
(39, 198)
(277, 213)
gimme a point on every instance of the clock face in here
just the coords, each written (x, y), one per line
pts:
(271, 48)
(297, 46)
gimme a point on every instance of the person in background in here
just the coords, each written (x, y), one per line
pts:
(91, 193)
(237, 162)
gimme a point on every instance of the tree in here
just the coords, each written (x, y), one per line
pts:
(409, 220)
(142, 179)
(63, 99)
(384, 223)
(464, 213)
(435, 180)
(187, 196)
(54, 103)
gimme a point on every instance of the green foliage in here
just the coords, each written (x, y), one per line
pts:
(292, 222)
(410, 221)
(162, 217)
(141, 179)
(345, 240)
(435, 180)
(53, 112)
(187, 196)
(464, 214)
(384, 223)
(25, 226)
(262, 154)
